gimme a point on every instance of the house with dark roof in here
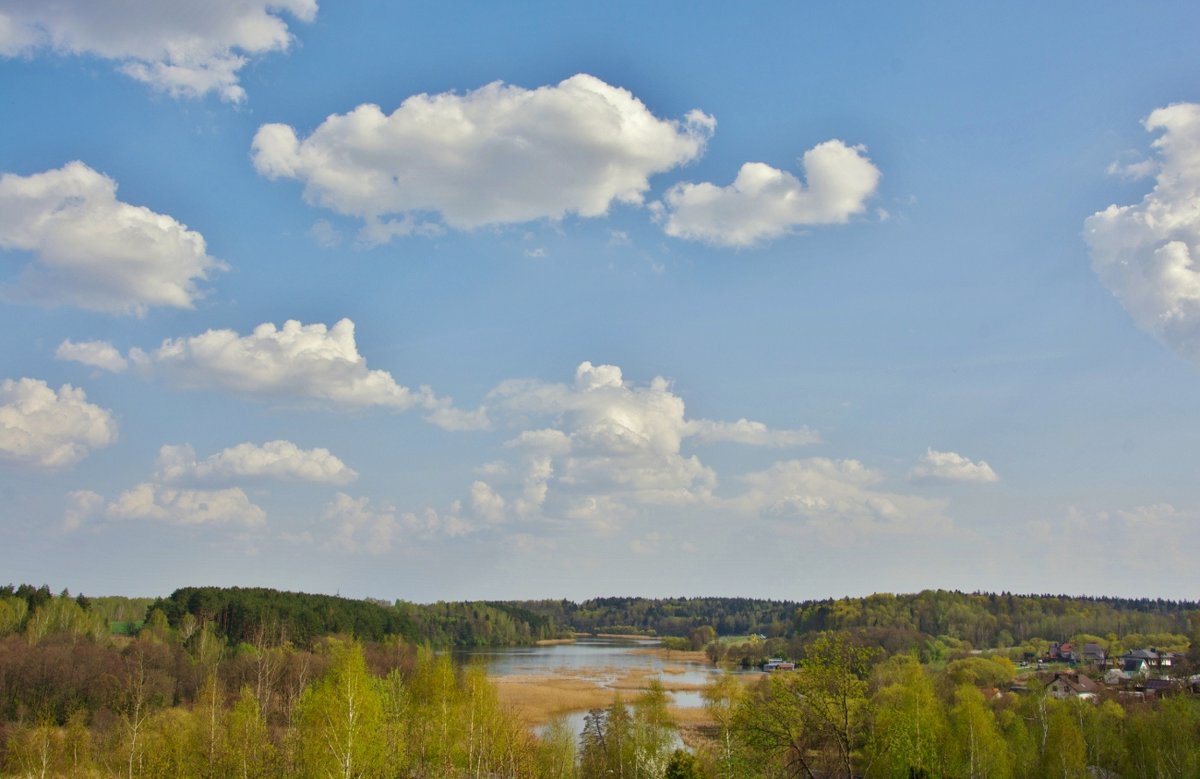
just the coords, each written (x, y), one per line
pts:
(1139, 661)
(1142, 661)
(1093, 654)
(1158, 687)
(1073, 685)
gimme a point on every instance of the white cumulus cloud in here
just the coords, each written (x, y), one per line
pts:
(1148, 254)
(183, 49)
(90, 250)
(296, 361)
(836, 498)
(612, 438)
(486, 503)
(47, 428)
(951, 467)
(609, 445)
(98, 354)
(274, 460)
(159, 503)
(764, 202)
(500, 154)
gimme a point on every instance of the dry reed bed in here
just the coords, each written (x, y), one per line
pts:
(539, 698)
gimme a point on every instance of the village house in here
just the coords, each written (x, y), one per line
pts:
(1143, 661)
(1157, 687)
(1093, 654)
(1072, 685)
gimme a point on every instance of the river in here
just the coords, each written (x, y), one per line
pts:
(552, 680)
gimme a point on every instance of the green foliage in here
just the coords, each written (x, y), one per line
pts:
(339, 728)
(977, 671)
(618, 742)
(669, 616)
(1164, 741)
(607, 743)
(722, 699)
(810, 720)
(908, 729)
(556, 750)
(12, 614)
(259, 616)
(64, 615)
(76, 702)
(989, 619)
(977, 747)
(248, 752)
(1064, 755)
(683, 765)
(653, 731)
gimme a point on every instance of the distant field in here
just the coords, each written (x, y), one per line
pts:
(125, 627)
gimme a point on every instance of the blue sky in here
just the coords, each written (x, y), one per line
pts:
(445, 302)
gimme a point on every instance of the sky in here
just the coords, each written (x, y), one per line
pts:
(441, 301)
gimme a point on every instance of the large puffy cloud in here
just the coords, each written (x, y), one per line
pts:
(764, 202)
(1148, 254)
(612, 445)
(47, 428)
(836, 498)
(159, 503)
(296, 361)
(184, 49)
(952, 467)
(497, 155)
(274, 460)
(93, 251)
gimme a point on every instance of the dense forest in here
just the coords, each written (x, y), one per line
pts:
(220, 682)
(986, 620)
(259, 615)
(982, 620)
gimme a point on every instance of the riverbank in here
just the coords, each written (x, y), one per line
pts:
(567, 678)
(697, 657)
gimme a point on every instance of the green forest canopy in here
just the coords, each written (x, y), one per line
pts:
(984, 620)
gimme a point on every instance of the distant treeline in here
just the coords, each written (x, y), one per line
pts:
(982, 619)
(261, 616)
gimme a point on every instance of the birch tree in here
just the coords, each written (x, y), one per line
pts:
(340, 722)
